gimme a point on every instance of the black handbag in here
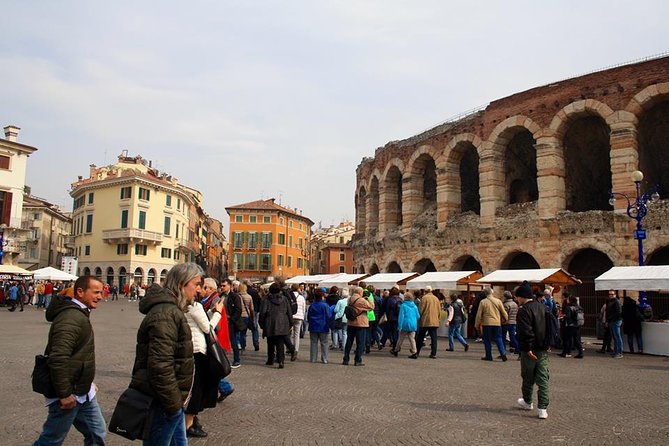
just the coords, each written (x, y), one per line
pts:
(41, 377)
(132, 415)
(219, 364)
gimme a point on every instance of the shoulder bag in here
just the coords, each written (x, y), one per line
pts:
(219, 364)
(132, 415)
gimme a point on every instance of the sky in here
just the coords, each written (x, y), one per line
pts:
(244, 100)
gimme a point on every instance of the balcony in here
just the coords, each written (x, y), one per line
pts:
(132, 235)
(69, 241)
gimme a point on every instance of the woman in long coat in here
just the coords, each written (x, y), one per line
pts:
(276, 320)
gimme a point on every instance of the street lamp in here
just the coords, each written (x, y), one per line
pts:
(3, 242)
(637, 209)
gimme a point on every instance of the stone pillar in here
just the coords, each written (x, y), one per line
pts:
(373, 213)
(624, 154)
(448, 194)
(412, 200)
(387, 208)
(550, 177)
(360, 214)
(492, 184)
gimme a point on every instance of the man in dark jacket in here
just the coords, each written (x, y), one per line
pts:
(614, 320)
(233, 307)
(71, 352)
(276, 320)
(531, 325)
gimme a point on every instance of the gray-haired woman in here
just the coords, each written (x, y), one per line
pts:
(164, 354)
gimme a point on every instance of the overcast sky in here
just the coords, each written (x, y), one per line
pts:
(245, 100)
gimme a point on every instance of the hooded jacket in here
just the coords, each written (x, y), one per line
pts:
(409, 316)
(531, 324)
(276, 315)
(71, 348)
(164, 353)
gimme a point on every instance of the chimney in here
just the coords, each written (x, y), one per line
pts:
(12, 132)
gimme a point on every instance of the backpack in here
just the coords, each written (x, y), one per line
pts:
(350, 311)
(580, 317)
(552, 330)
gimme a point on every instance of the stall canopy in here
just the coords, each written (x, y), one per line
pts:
(385, 281)
(343, 279)
(13, 272)
(641, 278)
(556, 276)
(443, 280)
(296, 279)
(315, 279)
(51, 273)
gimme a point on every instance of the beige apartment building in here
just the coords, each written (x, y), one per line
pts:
(48, 238)
(331, 251)
(132, 223)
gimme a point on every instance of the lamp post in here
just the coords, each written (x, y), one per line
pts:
(637, 208)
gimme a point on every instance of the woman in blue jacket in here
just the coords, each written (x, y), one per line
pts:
(319, 317)
(407, 323)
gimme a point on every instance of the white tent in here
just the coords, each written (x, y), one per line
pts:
(310, 279)
(296, 279)
(547, 275)
(385, 281)
(13, 269)
(50, 273)
(341, 280)
(641, 278)
(447, 280)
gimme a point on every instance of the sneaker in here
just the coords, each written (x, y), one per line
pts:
(281, 365)
(449, 349)
(394, 353)
(619, 355)
(223, 396)
(543, 414)
(565, 355)
(504, 358)
(324, 361)
(344, 362)
(414, 356)
(433, 356)
(235, 365)
(522, 404)
(486, 359)
(466, 348)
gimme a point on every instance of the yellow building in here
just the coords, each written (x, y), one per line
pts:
(268, 240)
(132, 223)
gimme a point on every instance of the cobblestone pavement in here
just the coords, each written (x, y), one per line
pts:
(454, 399)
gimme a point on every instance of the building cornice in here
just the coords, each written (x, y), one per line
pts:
(83, 186)
(17, 146)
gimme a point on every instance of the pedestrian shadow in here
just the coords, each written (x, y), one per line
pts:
(463, 408)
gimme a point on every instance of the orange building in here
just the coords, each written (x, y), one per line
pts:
(337, 258)
(267, 240)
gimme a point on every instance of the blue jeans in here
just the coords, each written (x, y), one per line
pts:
(490, 333)
(234, 338)
(241, 335)
(617, 337)
(255, 334)
(422, 331)
(639, 342)
(167, 430)
(454, 332)
(358, 334)
(87, 419)
(339, 336)
(513, 340)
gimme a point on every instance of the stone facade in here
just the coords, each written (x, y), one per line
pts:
(525, 182)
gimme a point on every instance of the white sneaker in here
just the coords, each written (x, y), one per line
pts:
(523, 405)
(543, 414)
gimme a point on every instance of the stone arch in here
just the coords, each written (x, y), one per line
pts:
(372, 222)
(419, 192)
(122, 279)
(87, 271)
(467, 263)
(394, 267)
(519, 260)
(647, 97)
(361, 211)
(138, 276)
(151, 277)
(462, 182)
(98, 273)
(652, 137)
(361, 269)
(423, 266)
(588, 263)
(659, 257)
(374, 269)
(575, 110)
(391, 206)
(163, 276)
(573, 247)
(502, 133)
(110, 275)
(376, 173)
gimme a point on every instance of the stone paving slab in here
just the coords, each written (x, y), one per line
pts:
(454, 399)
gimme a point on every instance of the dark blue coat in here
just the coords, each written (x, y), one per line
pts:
(319, 317)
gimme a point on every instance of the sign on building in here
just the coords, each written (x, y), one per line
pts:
(70, 264)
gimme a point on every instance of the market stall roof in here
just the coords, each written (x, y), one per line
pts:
(448, 280)
(310, 279)
(13, 269)
(641, 278)
(556, 276)
(341, 280)
(51, 273)
(296, 279)
(388, 280)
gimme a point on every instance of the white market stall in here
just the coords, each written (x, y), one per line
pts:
(51, 273)
(13, 272)
(310, 280)
(552, 276)
(385, 281)
(342, 280)
(641, 278)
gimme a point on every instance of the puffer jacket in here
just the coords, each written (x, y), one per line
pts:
(511, 308)
(531, 325)
(276, 315)
(71, 347)
(319, 317)
(164, 353)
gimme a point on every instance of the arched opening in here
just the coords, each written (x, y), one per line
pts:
(373, 217)
(393, 188)
(424, 266)
(151, 278)
(361, 211)
(361, 269)
(587, 148)
(659, 257)
(653, 153)
(98, 273)
(520, 164)
(87, 271)
(374, 269)
(586, 265)
(163, 275)
(470, 199)
(110, 275)
(424, 175)
(520, 260)
(122, 278)
(469, 263)
(394, 267)
(138, 276)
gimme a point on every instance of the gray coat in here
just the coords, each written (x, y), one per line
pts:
(276, 315)
(511, 308)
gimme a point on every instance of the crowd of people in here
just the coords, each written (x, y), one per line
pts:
(183, 314)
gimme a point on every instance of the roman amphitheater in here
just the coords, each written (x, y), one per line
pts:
(524, 183)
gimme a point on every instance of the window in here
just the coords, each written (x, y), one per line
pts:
(265, 262)
(290, 241)
(166, 253)
(239, 218)
(281, 221)
(299, 262)
(300, 226)
(290, 261)
(90, 198)
(178, 203)
(79, 202)
(341, 239)
(238, 261)
(37, 216)
(237, 240)
(124, 218)
(266, 219)
(253, 219)
(168, 201)
(140, 250)
(279, 260)
(342, 269)
(142, 220)
(177, 255)
(176, 230)
(299, 242)
(252, 262)
(126, 192)
(282, 239)
(290, 223)
(122, 249)
(4, 162)
(166, 226)
(144, 194)
(89, 223)
(342, 256)
(252, 240)
(266, 240)
(87, 250)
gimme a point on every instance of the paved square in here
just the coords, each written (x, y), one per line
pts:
(454, 399)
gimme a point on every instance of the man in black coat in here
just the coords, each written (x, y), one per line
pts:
(233, 308)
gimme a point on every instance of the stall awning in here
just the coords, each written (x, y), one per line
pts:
(556, 276)
(310, 279)
(51, 273)
(297, 279)
(641, 278)
(385, 281)
(13, 272)
(448, 280)
(342, 280)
